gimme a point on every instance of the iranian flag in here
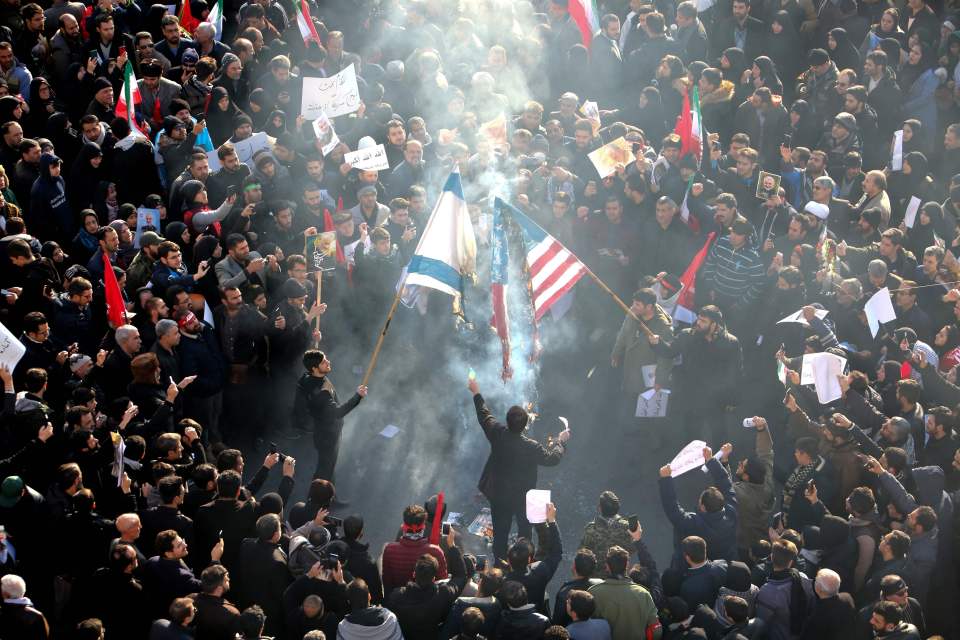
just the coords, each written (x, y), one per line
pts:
(307, 31)
(689, 220)
(685, 311)
(584, 13)
(215, 17)
(129, 98)
(689, 126)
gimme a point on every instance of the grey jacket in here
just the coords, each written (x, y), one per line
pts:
(231, 273)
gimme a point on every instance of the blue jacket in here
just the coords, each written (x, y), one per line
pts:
(163, 277)
(201, 356)
(719, 528)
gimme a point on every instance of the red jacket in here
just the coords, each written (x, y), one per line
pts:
(399, 559)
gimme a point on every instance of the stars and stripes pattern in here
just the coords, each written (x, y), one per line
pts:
(553, 269)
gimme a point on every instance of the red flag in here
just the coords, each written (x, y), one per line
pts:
(116, 310)
(437, 520)
(685, 309)
(905, 370)
(329, 226)
(187, 22)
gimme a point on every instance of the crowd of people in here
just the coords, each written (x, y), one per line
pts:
(125, 509)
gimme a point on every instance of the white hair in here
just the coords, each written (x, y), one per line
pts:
(13, 586)
(828, 582)
(207, 28)
(125, 332)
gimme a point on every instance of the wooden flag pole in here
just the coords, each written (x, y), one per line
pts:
(620, 302)
(383, 333)
(316, 321)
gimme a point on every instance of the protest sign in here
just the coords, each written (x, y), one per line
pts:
(325, 133)
(821, 370)
(245, 149)
(320, 250)
(335, 96)
(689, 458)
(369, 159)
(606, 158)
(591, 112)
(147, 220)
(11, 349)
(652, 403)
(879, 309)
(537, 500)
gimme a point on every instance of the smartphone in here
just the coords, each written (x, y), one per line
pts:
(336, 522)
(231, 190)
(220, 534)
(811, 485)
(481, 563)
(634, 522)
(445, 528)
(123, 50)
(273, 448)
(787, 139)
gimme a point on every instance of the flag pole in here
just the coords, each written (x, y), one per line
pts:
(383, 333)
(316, 321)
(620, 302)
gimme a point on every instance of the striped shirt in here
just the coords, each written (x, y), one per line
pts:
(735, 275)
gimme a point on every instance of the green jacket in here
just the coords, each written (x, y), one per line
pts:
(628, 608)
(601, 534)
(632, 351)
(139, 272)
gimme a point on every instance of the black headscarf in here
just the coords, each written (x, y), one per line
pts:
(909, 73)
(782, 47)
(738, 62)
(36, 121)
(768, 74)
(845, 56)
(219, 122)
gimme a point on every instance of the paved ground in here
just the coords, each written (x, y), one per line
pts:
(440, 446)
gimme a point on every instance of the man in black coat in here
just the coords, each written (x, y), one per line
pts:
(317, 402)
(883, 93)
(166, 515)
(228, 518)
(262, 574)
(511, 469)
(362, 564)
(834, 615)
(606, 62)
(739, 30)
(422, 605)
(166, 576)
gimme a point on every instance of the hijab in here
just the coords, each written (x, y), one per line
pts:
(272, 129)
(768, 75)
(845, 56)
(910, 73)
(783, 46)
(85, 178)
(36, 120)
(738, 62)
(220, 122)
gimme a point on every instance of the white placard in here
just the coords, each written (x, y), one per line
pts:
(910, 217)
(335, 96)
(649, 372)
(821, 370)
(896, 162)
(652, 403)
(879, 309)
(11, 349)
(245, 151)
(369, 159)
(325, 133)
(537, 500)
(798, 317)
(146, 218)
(689, 458)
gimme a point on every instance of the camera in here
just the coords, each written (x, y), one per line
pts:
(331, 561)
(445, 528)
(273, 449)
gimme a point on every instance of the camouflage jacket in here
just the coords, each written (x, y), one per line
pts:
(603, 533)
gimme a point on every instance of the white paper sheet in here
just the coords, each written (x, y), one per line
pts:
(335, 96)
(896, 162)
(910, 217)
(798, 317)
(11, 349)
(652, 403)
(390, 431)
(689, 458)
(879, 309)
(369, 159)
(821, 370)
(537, 500)
(649, 372)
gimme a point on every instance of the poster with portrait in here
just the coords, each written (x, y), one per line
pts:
(606, 158)
(768, 185)
(320, 250)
